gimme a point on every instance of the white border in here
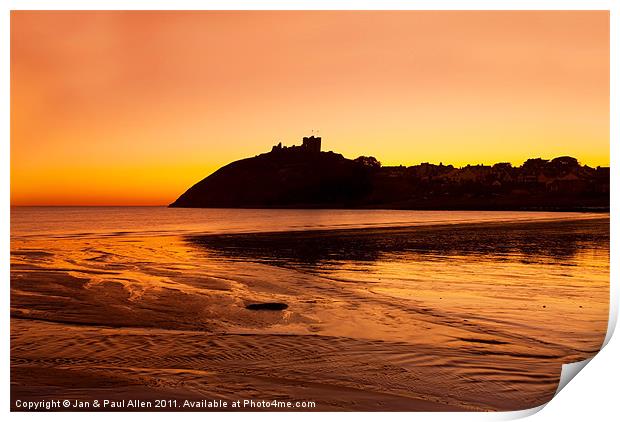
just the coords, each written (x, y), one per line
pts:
(592, 395)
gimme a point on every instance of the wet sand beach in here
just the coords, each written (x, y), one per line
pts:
(456, 315)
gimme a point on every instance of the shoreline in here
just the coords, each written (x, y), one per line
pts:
(593, 209)
(402, 226)
(339, 207)
(399, 229)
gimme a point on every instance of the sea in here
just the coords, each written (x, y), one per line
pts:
(349, 309)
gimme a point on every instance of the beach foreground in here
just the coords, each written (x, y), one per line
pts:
(468, 316)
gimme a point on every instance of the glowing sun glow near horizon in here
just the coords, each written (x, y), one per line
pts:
(132, 108)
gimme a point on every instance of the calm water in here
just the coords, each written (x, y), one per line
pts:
(386, 310)
(85, 221)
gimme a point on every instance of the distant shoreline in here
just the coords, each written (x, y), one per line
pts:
(410, 228)
(597, 210)
(593, 209)
(306, 177)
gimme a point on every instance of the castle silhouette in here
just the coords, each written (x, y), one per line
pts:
(311, 144)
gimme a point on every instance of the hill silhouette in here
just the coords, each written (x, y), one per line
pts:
(306, 177)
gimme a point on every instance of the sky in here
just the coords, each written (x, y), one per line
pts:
(132, 108)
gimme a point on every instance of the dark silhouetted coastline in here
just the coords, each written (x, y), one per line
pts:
(306, 177)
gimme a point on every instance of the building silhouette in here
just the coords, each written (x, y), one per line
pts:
(311, 143)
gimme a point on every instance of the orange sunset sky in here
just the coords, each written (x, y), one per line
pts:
(132, 108)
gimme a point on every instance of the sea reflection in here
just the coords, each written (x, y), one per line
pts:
(557, 241)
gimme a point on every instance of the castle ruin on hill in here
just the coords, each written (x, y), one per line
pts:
(310, 144)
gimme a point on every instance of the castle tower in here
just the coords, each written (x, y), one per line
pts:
(311, 144)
